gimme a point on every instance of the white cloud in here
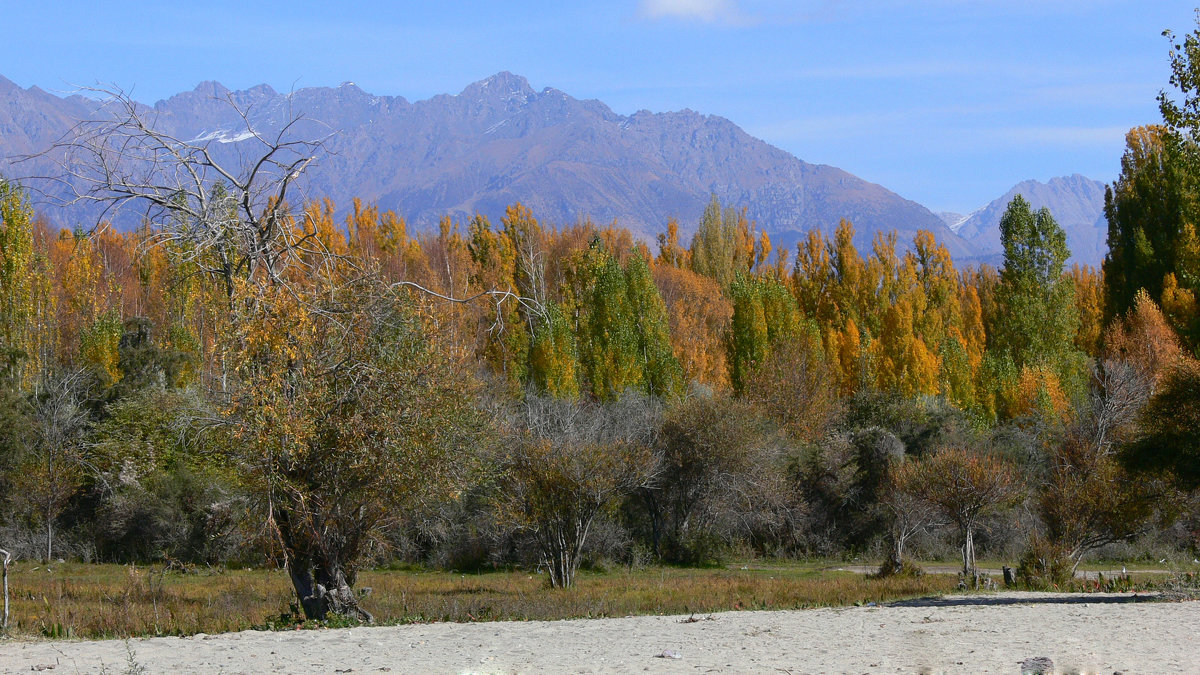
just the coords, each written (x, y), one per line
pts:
(708, 11)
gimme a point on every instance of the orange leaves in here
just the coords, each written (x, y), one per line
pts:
(1040, 393)
(698, 315)
(1146, 340)
(670, 252)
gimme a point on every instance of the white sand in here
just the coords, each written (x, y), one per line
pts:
(989, 634)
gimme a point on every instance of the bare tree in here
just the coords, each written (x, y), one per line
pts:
(54, 464)
(909, 512)
(229, 218)
(570, 463)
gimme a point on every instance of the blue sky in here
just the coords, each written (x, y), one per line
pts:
(947, 102)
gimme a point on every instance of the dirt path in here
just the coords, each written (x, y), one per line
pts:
(955, 634)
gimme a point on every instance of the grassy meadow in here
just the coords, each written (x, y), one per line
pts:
(97, 601)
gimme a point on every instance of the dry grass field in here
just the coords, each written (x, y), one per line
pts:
(90, 601)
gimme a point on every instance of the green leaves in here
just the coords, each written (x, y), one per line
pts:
(1037, 318)
(624, 338)
(16, 283)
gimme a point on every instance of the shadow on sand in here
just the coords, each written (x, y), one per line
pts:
(1025, 599)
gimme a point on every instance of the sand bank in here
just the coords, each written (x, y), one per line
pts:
(974, 634)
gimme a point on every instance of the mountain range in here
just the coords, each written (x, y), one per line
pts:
(1076, 202)
(499, 141)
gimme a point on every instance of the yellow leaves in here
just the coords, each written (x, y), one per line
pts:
(1089, 300)
(904, 363)
(670, 252)
(99, 343)
(850, 358)
(1039, 393)
(318, 226)
(1143, 147)
(1178, 303)
(762, 251)
(16, 278)
(813, 278)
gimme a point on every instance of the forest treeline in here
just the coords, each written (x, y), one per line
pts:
(772, 400)
(263, 384)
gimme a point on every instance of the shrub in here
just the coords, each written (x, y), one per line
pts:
(1044, 565)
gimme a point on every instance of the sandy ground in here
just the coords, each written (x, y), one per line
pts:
(976, 634)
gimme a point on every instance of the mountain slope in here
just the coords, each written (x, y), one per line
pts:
(1076, 202)
(499, 141)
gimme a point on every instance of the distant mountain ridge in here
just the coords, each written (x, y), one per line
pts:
(1077, 203)
(498, 142)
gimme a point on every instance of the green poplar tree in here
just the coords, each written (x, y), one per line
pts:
(662, 375)
(611, 342)
(553, 360)
(1037, 318)
(1147, 209)
(748, 333)
(16, 283)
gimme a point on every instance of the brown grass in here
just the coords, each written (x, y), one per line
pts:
(76, 600)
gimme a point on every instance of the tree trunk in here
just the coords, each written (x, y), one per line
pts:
(894, 564)
(968, 552)
(6, 559)
(562, 549)
(652, 509)
(325, 590)
(322, 585)
(560, 559)
(1075, 557)
(49, 536)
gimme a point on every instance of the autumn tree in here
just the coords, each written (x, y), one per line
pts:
(792, 388)
(346, 410)
(1088, 498)
(965, 486)
(554, 358)
(698, 316)
(670, 252)
(506, 332)
(1089, 302)
(344, 405)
